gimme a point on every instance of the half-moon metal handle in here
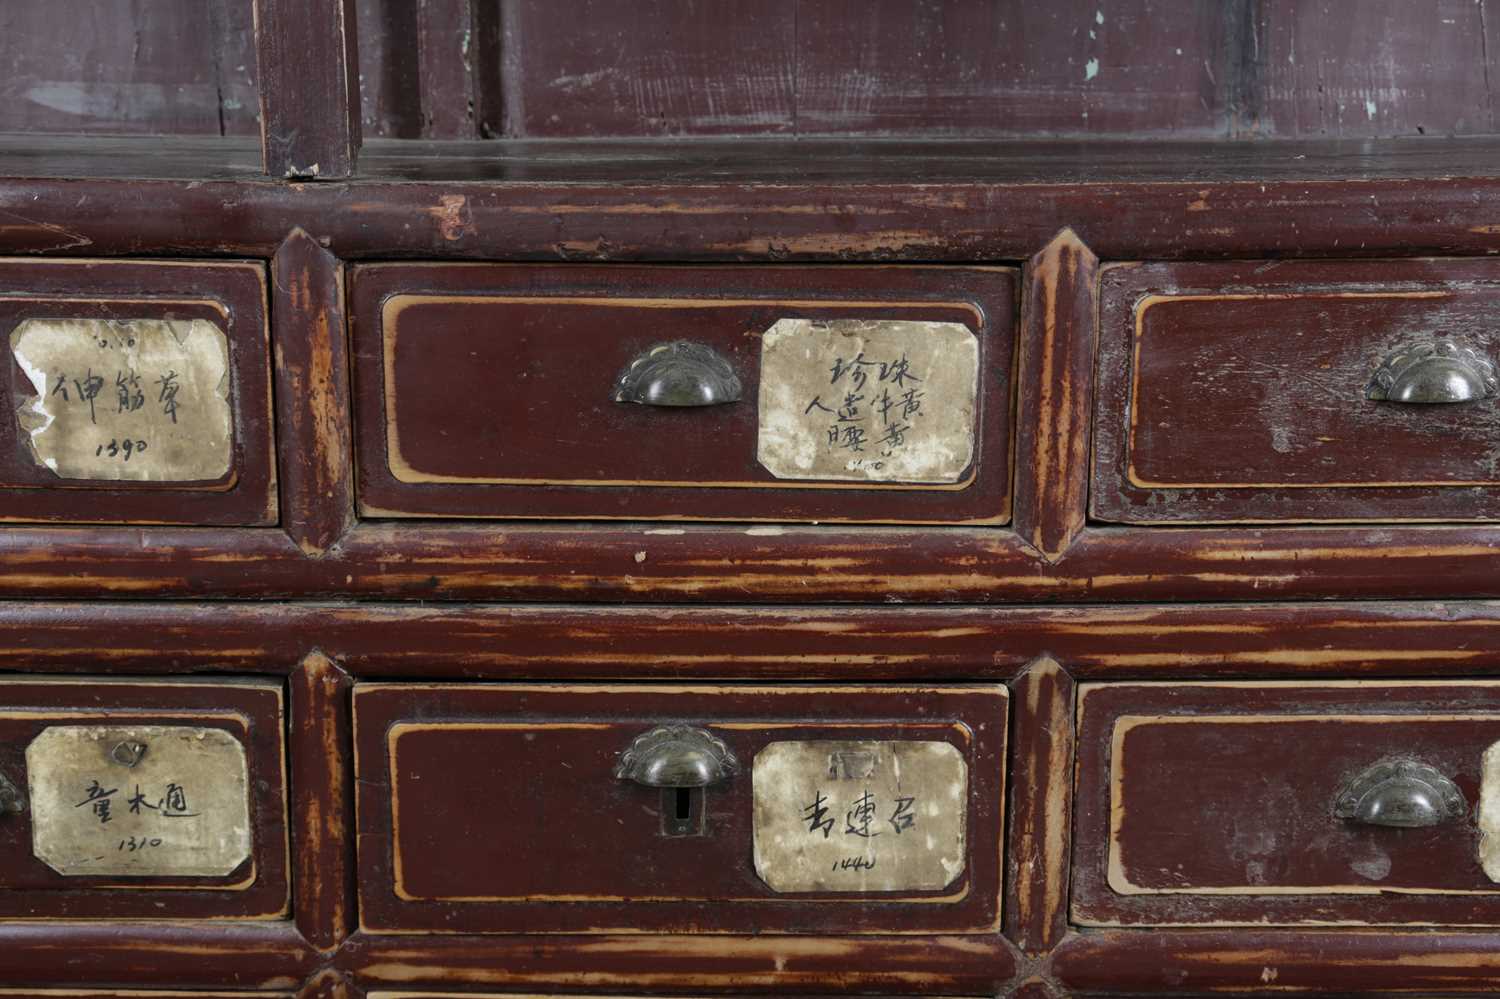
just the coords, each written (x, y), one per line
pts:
(677, 756)
(1436, 371)
(12, 801)
(680, 373)
(1403, 794)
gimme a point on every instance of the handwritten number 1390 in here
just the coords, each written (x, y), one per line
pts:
(113, 448)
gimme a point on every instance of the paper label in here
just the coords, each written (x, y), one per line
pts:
(144, 799)
(861, 400)
(860, 816)
(139, 400)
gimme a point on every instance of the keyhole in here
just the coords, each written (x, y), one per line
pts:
(681, 811)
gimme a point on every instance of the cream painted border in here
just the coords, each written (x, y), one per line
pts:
(233, 683)
(998, 691)
(1119, 881)
(402, 470)
(1133, 416)
(225, 484)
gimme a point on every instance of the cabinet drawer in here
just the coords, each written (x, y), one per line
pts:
(124, 799)
(135, 393)
(1288, 803)
(680, 809)
(838, 394)
(1243, 392)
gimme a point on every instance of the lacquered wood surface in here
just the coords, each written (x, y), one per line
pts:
(1209, 805)
(482, 775)
(252, 715)
(1238, 392)
(490, 391)
(232, 297)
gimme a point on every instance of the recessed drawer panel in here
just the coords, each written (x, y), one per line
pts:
(136, 393)
(125, 799)
(1299, 391)
(1288, 803)
(680, 809)
(770, 393)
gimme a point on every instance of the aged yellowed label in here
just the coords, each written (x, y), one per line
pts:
(139, 400)
(1489, 813)
(863, 400)
(142, 799)
(860, 816)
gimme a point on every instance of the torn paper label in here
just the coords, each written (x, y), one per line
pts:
(137, 400)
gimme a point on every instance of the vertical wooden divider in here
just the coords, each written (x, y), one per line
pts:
(1056, 379)
(1041, 814)
(322, 813)
(310, 343)
(308, 57)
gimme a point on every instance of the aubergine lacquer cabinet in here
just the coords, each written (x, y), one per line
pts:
(564, 497)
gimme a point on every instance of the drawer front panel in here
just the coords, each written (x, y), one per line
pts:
(126, 798)
(490, 391)
(1286, 803)
(1241, 392)
(136, 393)
(483, 807)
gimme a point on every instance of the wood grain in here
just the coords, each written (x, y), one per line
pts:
(309, 83)
(488, 391)
(697, 564)
(1123, 962)
(138, 953)
(1039, 854)
(1236, 392)
(931, 965)
(1055, 377)
(1376, 639)
(312, 393)
(322, 802)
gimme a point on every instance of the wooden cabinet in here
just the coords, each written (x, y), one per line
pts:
(755, 498)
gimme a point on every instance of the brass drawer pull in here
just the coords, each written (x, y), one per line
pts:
(677, 756)
(681, 761)
(1440, 371)
(680, 373)
(1403, 794)
(12, 801)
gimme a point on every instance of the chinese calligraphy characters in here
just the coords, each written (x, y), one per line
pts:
(181, 808)
(136, 400)
(865, 387)
(859, 816)
(877, 400)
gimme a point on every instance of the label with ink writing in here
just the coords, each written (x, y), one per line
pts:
(868, 400)
(837, 816)
(146, 799)
(137, 400)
